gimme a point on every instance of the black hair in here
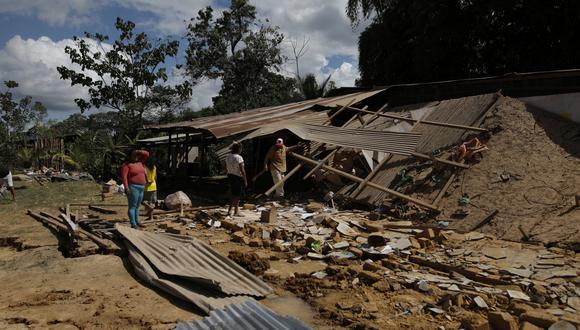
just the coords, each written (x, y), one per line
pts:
(236, 148)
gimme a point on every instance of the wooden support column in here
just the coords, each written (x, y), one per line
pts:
(372, 174)
(370, 184)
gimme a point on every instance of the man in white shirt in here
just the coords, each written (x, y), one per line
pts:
(236, 176)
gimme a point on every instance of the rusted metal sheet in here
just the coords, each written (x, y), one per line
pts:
(248, 315)
(398, 143)
(194, 260)
(463, 111)
(241, 122)
(205, 299)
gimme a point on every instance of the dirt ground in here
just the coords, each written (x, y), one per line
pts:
(41, 289)
(540, 154)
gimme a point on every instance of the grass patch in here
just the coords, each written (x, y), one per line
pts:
(31, 195)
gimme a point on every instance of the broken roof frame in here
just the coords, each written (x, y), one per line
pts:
(233, 124)
(367, 182)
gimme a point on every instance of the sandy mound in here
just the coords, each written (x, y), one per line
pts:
(540, 153)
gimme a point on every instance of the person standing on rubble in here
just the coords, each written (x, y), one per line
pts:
(275, 162)
(236, 176)
(134, 180)
(6, 176)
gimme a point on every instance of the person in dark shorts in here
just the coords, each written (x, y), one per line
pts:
(6, 179)
(236, 176)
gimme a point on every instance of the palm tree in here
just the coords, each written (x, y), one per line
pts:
(310, 89)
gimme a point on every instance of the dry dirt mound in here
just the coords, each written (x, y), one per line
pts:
(538, 156)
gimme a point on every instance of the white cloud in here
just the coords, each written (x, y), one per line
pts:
(32, 63)
(54, 12)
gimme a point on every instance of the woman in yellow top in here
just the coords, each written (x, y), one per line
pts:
(151, 185)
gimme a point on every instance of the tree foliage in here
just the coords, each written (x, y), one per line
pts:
(430, 40)
(15, 116)
(126, 75)
(237, 48)
(310, 89)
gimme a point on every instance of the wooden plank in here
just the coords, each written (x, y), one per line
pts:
(329, 120)
(102, 209)
(444, 190)
(191, 209)
(106, 245)
(286, 177)
(427, 122)
(370, 184)
(439, 160)
(372, 174)
(485, 220)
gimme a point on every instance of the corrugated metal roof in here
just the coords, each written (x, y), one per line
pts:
(399, 143)
(246, 121)
(204, 299)
(248, 315)
(192, 259)
(463, 111)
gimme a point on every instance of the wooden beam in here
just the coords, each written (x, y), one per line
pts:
(427, 122)
(329, 120)
(286, 177)
(372, 174)
(102, 209)
(439, 160)
(370, 184)
(485, 220)
(444, 190)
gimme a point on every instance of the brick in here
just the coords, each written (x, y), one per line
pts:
(356, 251)
(539, 318)
(249, 206)
(373, 228)
(501, 321)
(372, 267)
(473, 321)
(314, 207)
(269, 216)
(414, 243)
(256, 242)
(240, 237)
(382, 286)
(369, 277)
(390, 264)
(529, 326)
(228, 224)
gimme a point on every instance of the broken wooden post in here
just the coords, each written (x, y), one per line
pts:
(286, 177)
(485, 220)
(370, 184)
(444, 190)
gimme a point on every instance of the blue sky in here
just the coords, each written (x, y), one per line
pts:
(33, 35)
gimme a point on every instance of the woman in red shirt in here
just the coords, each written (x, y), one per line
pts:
(134, 179)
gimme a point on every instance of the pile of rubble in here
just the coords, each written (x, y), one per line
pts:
(468, 279)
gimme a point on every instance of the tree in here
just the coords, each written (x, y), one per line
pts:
(310, 89)
(126, 75)
(237, 48)
(15, 116)
(429, 40)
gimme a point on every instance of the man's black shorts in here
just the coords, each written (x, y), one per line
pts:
(236, 185)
